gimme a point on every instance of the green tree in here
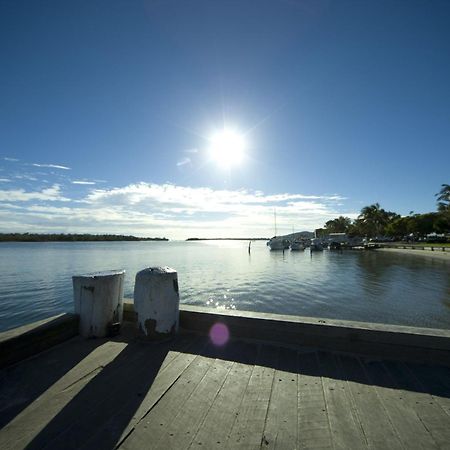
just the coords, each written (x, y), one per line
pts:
(340, 225)
(398, 227)
(443, 197)
(373, 220)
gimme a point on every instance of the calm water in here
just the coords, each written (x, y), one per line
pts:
(35, 280)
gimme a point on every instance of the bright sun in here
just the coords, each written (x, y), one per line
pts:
(227, 148)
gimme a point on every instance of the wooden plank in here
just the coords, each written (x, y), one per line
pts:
(436, 381)
(409, 427)
(247, 431)
(181, 355)
(27, 425)
(173, 422)
(377, 428)
(22, 383)
(433, 417)
(153, 427)
(216, 428)
(345, 425)
(124, 378)
(184, 426)
(313, 424)
(128, 376)
(280, 430)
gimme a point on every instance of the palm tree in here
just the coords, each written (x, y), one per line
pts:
(443, 197)
(376, 219)
(339, 225)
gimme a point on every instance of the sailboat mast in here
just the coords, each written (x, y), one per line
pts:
(275, 219)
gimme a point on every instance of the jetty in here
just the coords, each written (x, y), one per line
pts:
(275, 382)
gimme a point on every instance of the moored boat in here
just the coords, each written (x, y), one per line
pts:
(316, 245)
(297, 245)
(278, 243)
(334, 246)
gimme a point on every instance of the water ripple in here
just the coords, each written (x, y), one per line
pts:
(367, 286)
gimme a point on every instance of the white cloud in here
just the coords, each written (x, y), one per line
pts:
(83, 182)
(53, 166)
(25, 177)
(183, 162)
(198, 197)
(168, 210)
(20, 195)
(10, 159)
(5, 180)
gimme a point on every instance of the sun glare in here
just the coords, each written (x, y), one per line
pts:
(227, 148)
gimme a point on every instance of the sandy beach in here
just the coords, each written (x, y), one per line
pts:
(436, 254)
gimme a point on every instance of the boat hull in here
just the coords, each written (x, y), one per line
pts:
(278, 244)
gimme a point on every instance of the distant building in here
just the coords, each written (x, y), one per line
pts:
(337, 237)
(319, 232)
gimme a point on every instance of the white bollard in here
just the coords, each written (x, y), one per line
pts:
(98, 301)
(156, 302)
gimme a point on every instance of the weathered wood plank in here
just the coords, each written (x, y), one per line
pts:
(409, 427)
(127, 377)
(313, 424)
(183, 427)
(27, 425)
(280, 430)
(154, 426)
(215, 429)
(429, 412)
(247, 431)
(378, 430)
(22, 383)
(182, 353)
(436, 381)
(345, 425)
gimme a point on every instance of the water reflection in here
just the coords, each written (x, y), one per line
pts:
(364, 286)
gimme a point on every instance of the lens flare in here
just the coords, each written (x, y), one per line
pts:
(219, 334)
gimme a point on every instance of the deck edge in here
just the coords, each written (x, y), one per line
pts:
(22, 342)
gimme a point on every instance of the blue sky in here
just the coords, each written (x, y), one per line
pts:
(107, 109)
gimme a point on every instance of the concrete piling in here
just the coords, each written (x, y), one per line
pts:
(156, 302)
(98, 299)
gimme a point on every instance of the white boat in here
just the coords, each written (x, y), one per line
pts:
(316, 245)
(297, 245)
(278, 243)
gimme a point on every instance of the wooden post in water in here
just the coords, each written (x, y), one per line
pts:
(156, 302)
(98, 301)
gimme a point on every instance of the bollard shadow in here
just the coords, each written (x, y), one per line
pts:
(109, 407)
(22, 383)
(107, 403)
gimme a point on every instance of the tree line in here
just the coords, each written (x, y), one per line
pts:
(37, 237)
(375, 221)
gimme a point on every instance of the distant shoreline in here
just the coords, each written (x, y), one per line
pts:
(227, 239)
(37, 237)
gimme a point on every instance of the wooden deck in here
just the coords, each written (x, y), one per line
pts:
(99, 394)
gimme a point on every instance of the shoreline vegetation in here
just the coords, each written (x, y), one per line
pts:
(376, 222)
(61, 237)
(227, 239)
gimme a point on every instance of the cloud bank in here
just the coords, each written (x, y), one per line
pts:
(174, 211)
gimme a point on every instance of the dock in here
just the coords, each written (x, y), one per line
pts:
(261, 389)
